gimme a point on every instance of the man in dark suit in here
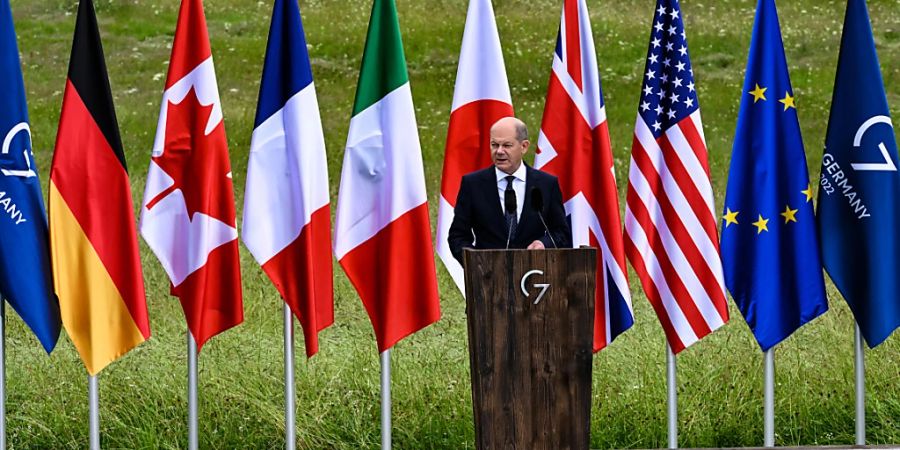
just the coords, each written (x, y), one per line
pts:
(502, 206)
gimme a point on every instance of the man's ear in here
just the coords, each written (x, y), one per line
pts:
(525, 144)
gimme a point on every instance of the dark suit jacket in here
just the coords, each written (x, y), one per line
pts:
(478, 212)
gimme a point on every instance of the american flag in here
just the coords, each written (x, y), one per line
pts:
(670, 227)
(574, 145)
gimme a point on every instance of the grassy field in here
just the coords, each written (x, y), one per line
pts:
(720, 379)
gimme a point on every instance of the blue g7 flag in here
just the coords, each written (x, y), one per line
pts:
(769, 247)
(24, 250)
(859, 214)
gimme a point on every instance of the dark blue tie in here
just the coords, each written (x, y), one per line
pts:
(509, 201)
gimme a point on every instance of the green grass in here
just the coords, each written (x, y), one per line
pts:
(720, 379)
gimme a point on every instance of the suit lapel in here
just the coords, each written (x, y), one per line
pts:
(493, 199)
(525, 218)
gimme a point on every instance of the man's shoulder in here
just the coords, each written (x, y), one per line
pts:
(540, 176)
(480, 174)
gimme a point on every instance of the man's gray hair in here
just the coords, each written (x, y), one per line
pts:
(521, 131)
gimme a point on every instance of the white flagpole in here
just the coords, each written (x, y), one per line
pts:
(386, 400)
(94, 402)
(769, 403)
(192, 391)
(2, 374)
(860, 389)
(673, 397)
(290, 437)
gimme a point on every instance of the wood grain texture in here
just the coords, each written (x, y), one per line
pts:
(531, 363)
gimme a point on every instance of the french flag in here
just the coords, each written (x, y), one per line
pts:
(286, 202)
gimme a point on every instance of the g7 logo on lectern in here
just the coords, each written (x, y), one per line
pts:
(888, 164)
(7, 141)
(542, 286)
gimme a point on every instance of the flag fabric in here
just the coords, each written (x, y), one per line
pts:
(574, 145)
(481, 98)
(769, 247)
(858, 213)
(25, 280)
(188, 217)
(382, 230)
(287, 218)
(670, 225)
(93, 237)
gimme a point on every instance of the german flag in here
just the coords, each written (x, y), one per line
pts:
(93, 241)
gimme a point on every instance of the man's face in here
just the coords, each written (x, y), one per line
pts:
(506, 150)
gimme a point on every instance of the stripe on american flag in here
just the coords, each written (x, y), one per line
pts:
(676, 225)
(670, 224)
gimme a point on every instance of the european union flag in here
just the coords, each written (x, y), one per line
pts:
(859, 214)
(24, 249)
(769, 247)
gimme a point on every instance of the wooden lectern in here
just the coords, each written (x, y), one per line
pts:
(531, 324)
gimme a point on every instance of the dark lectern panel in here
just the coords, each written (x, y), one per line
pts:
(531, 354)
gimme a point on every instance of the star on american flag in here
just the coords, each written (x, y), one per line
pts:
(668, 90)
(670, 220)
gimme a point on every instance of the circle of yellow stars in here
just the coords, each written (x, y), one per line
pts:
(762, 224)
(789, 214)
(759, 93)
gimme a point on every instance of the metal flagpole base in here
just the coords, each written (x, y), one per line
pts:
(94, 413)
(192, 392)
(671, 390)
(769, 402)
(290, 425)
(386, 400)
(860, 366)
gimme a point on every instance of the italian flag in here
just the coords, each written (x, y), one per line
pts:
(382, 230)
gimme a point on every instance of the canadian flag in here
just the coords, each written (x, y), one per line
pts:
(188, 216)
(480, 98)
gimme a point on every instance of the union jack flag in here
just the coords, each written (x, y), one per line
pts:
(573, 144)
(670, 226)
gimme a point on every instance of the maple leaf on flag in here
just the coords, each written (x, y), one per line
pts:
(191, 159)
(189, 215)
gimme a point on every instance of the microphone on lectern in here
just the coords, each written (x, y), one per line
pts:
(537, 204)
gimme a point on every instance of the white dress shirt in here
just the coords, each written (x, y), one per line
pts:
(518, 187)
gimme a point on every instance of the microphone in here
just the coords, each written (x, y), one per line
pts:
(537, 204)
(509, 202)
